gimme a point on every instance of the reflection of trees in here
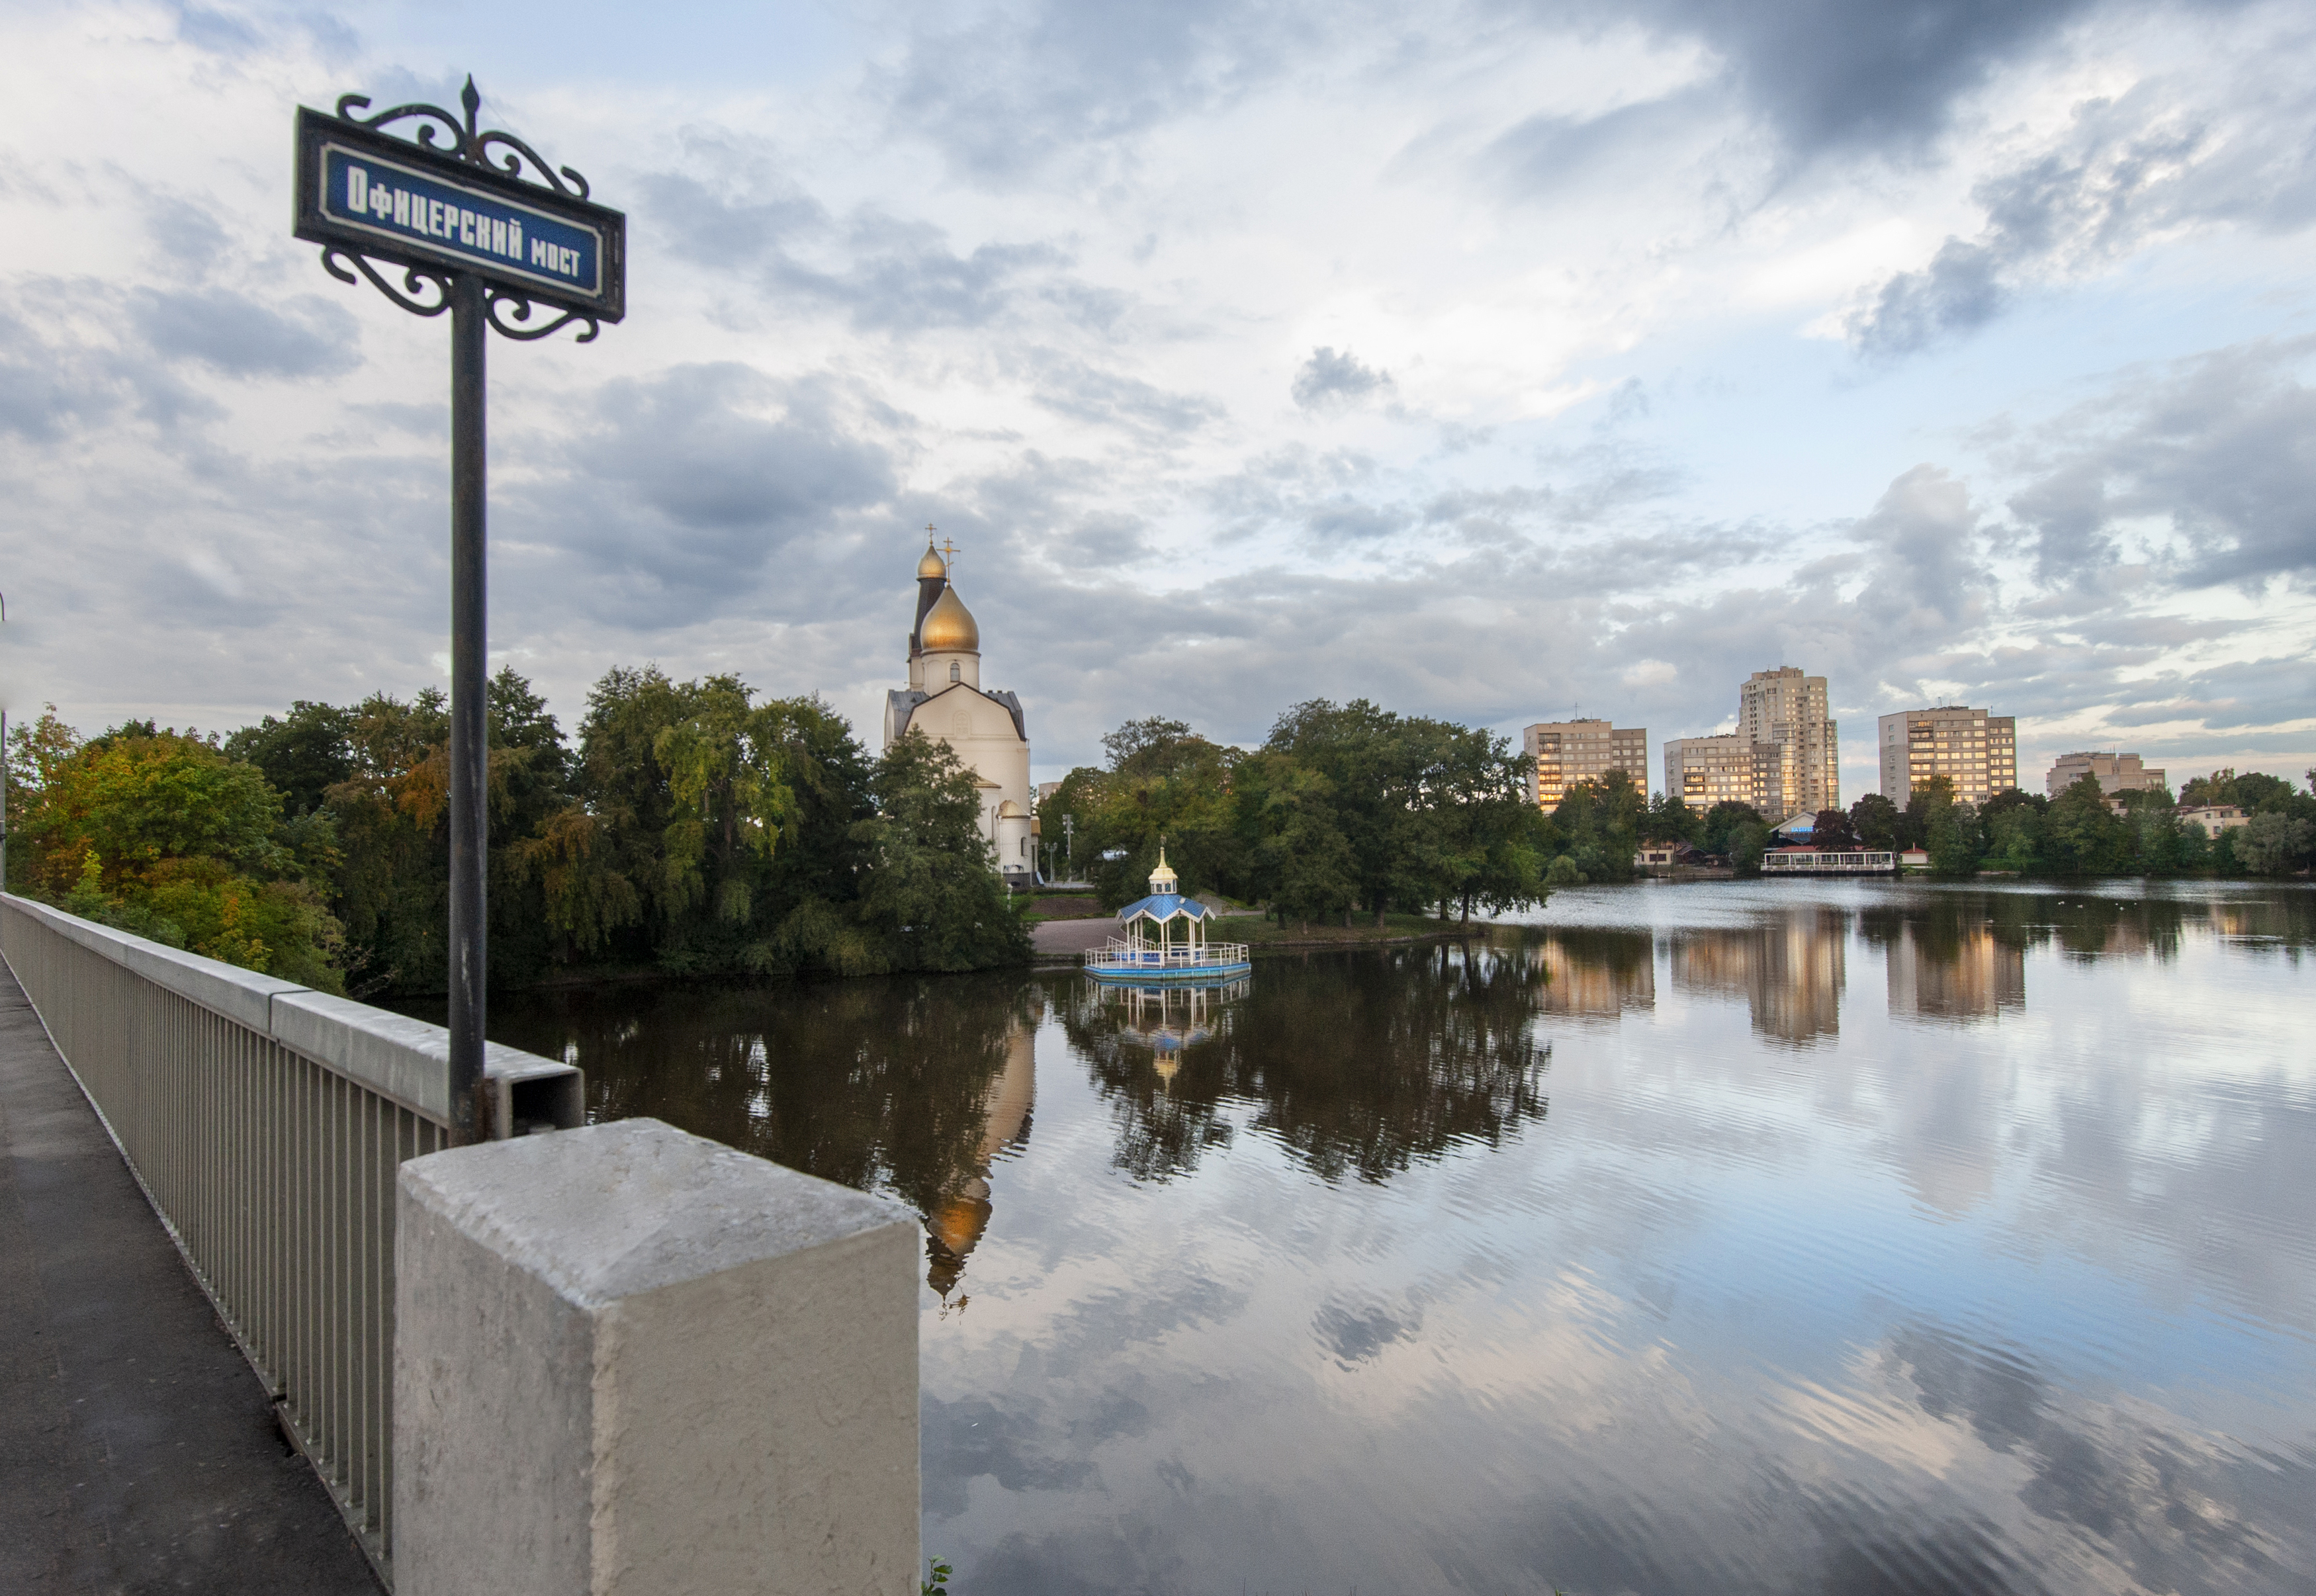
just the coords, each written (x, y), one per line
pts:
(1790, 970)
(908, 1085)
(2088, 924)
(1361, 1063)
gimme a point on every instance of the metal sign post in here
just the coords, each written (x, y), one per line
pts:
(475, 237)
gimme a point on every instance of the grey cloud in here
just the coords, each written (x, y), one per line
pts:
(1960, 291)
(219, 32)
(2163, 158)
(685, 485)
(1328, 380)
(1926, 532)
(1083, 392)
(187, 233)
(229, 333)
(2216, 447)
(705, 227)
(1076, 77)
(904, 278)
(1550, 153)
(1865, 74)
(1353, 520)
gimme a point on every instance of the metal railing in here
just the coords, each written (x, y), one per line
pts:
(1120, 955)
(1854, 862)
(265, 1123)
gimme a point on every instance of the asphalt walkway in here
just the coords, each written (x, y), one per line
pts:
(137, 1450)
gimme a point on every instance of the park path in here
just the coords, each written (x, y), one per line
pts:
(1056, 941)
(137, 1450)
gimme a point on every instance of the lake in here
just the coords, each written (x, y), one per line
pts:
(1720, 1237)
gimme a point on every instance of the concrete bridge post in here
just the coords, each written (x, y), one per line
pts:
(628, 1360)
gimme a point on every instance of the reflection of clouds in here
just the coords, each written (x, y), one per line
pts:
(1790, 970)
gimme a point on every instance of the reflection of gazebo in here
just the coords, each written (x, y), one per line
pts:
(1150, 950)
(1169, 1018)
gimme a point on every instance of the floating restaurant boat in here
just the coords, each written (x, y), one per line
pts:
(1150, 952)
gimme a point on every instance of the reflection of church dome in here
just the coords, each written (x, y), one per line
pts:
(931, 565)
(949, 626)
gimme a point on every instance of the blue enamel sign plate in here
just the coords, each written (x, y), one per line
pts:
(393, 200)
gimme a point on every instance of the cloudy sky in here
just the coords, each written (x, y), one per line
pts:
(1493, 361)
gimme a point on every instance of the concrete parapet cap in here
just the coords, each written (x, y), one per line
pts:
(612, 1211)
(243, 996)
(402, 1058)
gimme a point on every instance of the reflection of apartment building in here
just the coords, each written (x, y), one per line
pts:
(1567, 752)
(1790, 972)
(2117, 772)
(1977, 752)
(1974, 976)
(1789, 709)
(1598, 974)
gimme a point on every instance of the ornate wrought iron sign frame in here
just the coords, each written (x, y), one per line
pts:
(455, 201)
(470, 235)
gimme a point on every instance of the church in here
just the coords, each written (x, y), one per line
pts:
(985, 729)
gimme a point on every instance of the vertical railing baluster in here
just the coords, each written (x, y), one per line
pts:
(273, 1172)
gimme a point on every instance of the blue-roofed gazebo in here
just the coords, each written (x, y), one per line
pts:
(1152, 950)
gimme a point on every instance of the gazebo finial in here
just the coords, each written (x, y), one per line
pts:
(1164, 881)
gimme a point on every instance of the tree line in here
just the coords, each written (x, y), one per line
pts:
(689, 828)
(1344, 810)
(1350, 809)
(2078, 832)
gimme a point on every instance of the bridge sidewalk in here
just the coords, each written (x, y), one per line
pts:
(137, 1451)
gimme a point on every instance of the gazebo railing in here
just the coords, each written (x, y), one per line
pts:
(1121, 954)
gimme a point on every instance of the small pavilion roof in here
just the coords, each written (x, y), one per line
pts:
(1164, 906)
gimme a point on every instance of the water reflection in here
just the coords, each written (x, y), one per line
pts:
(1968, 972)
(1295, 1285)
(1790, 970)
(1356, 1067)
(913, 1086)
(1596, 973)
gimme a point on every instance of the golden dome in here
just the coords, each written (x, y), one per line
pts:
(931, 565)
(949, 626)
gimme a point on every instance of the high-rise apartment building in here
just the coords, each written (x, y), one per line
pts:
(1977, 752)
(1567, 752)
(2117, 772)
(1786, 707)
(1703, 771)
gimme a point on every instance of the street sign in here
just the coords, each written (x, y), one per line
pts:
(474, 240)
(392, 200)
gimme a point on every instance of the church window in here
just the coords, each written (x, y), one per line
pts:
(956, 671)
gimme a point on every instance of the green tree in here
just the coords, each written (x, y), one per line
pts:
(932, 893)
(164, 835)
(1721, 823)
(1832, 829)
(1669, 819)
(1600, 822)
(1875, 820)
(2081, 835)
(303, 755)
(2274, 842)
